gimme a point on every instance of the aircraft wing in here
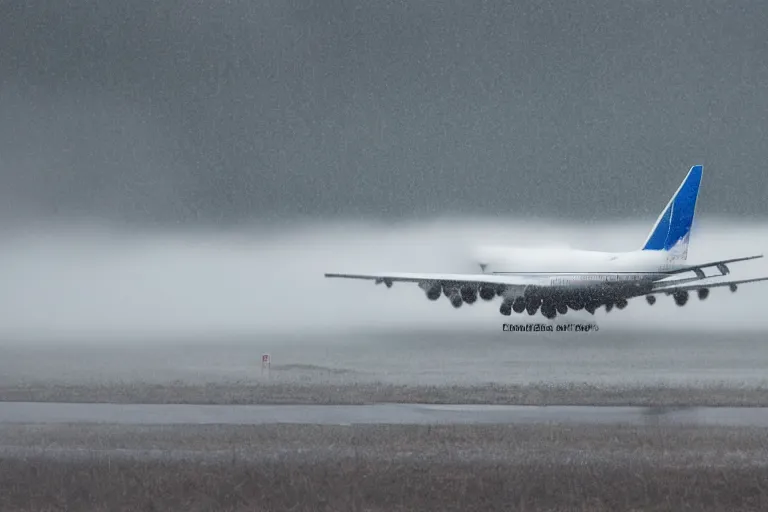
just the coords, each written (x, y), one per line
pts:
(721, 266)
(673, 286)
(451, 279)
(697, 269)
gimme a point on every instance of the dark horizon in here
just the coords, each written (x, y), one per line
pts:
(179, 113)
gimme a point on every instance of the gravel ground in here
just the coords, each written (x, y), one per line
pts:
(282, 467)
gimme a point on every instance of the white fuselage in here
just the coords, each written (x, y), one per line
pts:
(573, 267)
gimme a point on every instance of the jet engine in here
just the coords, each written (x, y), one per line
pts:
(487, 293)
(548, 310)
(681, 298)
(468, 295)
(433, 293)
(703, 293)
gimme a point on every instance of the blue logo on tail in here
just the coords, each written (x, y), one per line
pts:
(674, 224)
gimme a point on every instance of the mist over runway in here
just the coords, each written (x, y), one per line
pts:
(92, 306)
(91, 282)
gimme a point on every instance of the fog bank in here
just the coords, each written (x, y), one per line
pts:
(90, 281)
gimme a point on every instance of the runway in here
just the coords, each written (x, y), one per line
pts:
(379, 414)
(614, 356)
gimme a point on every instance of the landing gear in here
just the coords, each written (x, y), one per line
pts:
(651, 299)
(703, 293)
(733, 287)
(608, 307)
(621, 303)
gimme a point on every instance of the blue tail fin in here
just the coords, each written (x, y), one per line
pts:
(673, 227)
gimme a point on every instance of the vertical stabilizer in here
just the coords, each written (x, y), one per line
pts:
(672, 230)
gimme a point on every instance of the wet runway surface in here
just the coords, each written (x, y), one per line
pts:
(612, 356)
(438, 358)
(394, 414)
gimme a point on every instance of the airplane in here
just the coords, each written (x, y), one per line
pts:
(553, 281)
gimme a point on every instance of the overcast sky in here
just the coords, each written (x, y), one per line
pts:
(201, 111)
